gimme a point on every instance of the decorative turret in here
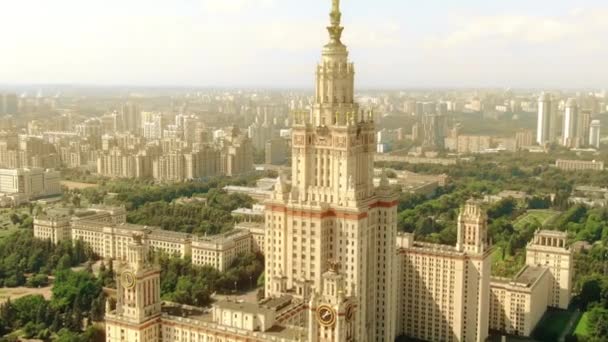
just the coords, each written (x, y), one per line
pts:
(332, 312)
(472, 228)
(137, 255)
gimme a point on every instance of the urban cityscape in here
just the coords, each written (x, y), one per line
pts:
(327, 212)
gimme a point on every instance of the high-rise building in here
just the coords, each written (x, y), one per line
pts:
(594, 134)
(332, 212)
(444, 290)
(131, 118)
(434, 131)
(260, 133)
(9, 104)
(152, 125)
(550, 249)
(569, 136)
(236, 154)
(583, 127)
(524, 138)
(277, 151)
(543, 127)
(517, 304)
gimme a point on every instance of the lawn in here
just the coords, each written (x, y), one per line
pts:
(553, 325)
(582, 329)
(18, 292)
(541, 217)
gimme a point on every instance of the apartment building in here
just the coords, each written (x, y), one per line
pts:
(444, 290)
(518, 304)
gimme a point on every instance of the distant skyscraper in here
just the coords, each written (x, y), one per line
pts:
(524, 138)
(131, 117)
(434, 131)
(583, 127)
(543, 128)
(570, 122)
(8, 104)
(594, 134)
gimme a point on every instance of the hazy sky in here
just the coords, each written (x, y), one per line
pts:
(276, 43)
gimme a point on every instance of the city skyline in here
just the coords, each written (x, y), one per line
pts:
(205, 43)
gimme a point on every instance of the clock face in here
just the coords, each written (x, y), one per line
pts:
(326, 315)
(127, 279)
(350, 311)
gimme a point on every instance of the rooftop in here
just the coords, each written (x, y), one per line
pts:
(553, 233)
(244, 307)
(186, 311)
(529, 275)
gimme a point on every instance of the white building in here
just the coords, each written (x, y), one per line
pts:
(105, 230)
(547, 124)
(570, 138)
(28, 184)
(594, 134)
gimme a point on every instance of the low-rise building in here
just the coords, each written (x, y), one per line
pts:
(28, 184)
(256, 213)
(258, 234)
(261, 192)
(220, 251)
(140, 315)
(579, 165)
(105, 231)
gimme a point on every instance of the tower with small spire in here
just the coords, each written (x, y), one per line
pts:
(331, 209)
(138, 304)
(472, 229)
(474, 243)
(332, 313)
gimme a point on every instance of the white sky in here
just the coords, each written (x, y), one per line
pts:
(276, 43)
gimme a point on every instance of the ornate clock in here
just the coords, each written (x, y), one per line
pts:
(127, 279)
(326, 315)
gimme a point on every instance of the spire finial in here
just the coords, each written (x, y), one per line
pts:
(336, 6)
(335, 30)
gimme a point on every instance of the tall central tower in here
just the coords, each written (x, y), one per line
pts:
(331, 211)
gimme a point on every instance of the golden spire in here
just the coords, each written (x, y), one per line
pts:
(336, 6)
(335, 30)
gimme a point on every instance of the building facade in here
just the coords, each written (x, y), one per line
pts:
(444, 290)
(547, 117)
(139, 314)
(105, 230)
(332, 211)
(594, 134)
(550, 249)
(570, 136)
(27, 184)
(518, 304)
(579, 165)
